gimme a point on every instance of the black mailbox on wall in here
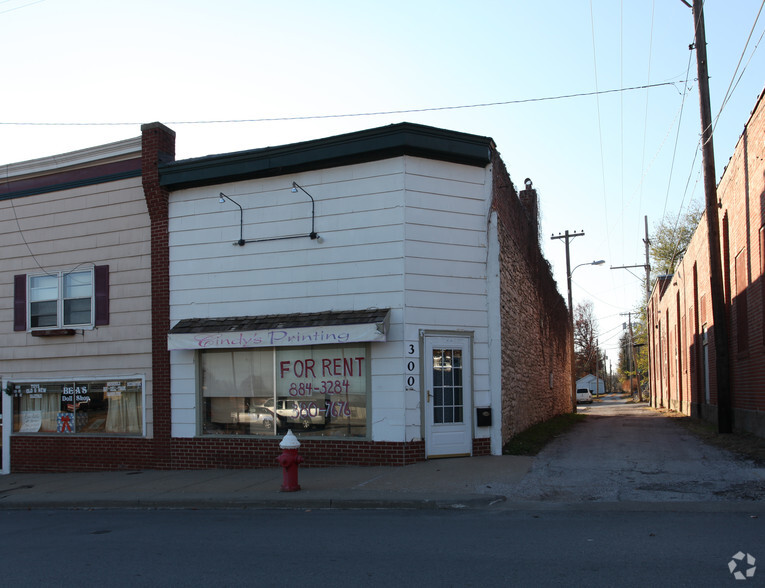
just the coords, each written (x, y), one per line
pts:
(483, 416)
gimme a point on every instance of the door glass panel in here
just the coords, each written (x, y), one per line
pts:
(447, 386)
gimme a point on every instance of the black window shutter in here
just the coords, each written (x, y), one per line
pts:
(101, 279)
(20, 302)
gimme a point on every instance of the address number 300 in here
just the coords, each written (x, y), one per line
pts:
(411, 366)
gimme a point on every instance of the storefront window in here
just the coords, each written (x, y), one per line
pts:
(319, 391)
(81, 407)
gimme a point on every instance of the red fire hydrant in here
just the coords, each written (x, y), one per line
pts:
(290, 460)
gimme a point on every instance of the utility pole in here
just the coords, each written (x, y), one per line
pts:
(724, 405)
(647, 266)
(597, 366)
(633, 360)
(567, 236)
(632, 353)
(647, 242)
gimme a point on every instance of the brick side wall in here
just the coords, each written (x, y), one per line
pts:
(534, 318)
(682, 306)
(158, 146)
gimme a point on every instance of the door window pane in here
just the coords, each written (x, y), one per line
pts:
(447, 386)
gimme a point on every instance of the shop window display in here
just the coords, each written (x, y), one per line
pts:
(79, 407)
(312, 390)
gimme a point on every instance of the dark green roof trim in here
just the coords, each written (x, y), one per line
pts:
(359, 147)
(71, 185)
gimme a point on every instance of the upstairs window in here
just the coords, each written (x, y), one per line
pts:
(62, 300)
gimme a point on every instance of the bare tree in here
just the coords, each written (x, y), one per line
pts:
(585, 338)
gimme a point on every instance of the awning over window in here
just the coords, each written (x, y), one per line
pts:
(321, 328)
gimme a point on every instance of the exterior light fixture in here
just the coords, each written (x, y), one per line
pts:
(313, 235)
(241, 240)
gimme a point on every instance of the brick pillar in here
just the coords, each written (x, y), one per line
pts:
(158, 146)
(528, 198)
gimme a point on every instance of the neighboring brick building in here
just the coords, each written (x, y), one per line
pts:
(382, 293)
(681, 325)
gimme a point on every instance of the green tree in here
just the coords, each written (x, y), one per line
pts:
(671, 237)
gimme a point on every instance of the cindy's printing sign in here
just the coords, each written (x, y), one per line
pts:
(278, 337)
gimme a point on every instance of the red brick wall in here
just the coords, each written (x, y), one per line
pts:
(63, 454)
(159, 147)
(57, 454)
(677, 380)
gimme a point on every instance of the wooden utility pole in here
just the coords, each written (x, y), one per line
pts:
(647, 242)
(632, 353)
(597, 367)
(722, 354)
(567, 236)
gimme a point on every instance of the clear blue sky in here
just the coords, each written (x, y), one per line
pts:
(600, 164)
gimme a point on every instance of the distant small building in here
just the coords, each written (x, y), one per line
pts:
(593, 384)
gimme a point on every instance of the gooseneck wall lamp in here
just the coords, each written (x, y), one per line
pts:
(295, 187)
(312, 234)
(222, 199)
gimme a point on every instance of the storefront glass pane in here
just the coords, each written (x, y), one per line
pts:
(319, 391)
(235, 388)
(79, 407)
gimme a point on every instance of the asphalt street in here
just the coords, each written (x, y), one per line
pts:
(397, 548)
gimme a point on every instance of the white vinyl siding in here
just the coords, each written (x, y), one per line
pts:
(405, 233)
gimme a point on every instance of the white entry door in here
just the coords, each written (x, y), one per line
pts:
(447, 399)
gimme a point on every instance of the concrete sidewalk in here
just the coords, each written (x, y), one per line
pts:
(473, 482)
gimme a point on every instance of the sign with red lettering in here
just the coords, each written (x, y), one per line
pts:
(316, 371)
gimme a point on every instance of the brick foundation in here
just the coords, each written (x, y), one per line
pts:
(33, 454)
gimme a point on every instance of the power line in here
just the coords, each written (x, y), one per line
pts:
(600, 131)
(677, 136)
(22, 6)
(731, 86)
(349, 115)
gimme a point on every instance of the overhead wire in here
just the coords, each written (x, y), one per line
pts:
(600, 130)
(350, 115)
(22, 6)
(645, 120)
(731, 86)
(677, 136)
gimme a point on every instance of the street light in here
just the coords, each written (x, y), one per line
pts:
(571, 325)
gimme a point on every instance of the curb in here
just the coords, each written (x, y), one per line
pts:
(297, 502)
